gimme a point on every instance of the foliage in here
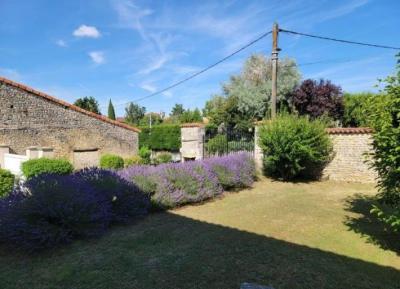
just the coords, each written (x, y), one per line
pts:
(217, 145)
(51, 210)
(161, 137)
(126, 199)
(57, 210)
(386, 151)
(6, 182)
(177, 110)
(134, 113)
(359, 107)
(132, 161)
(155, 118)
(88, 103)
(233, 171)
(110, 161)
(35, 167)
(294, 147)
(191, 116)
(318, 98)
(163, 158)
(389, 215)
(145, 154)
(176, 184)
(111, 111)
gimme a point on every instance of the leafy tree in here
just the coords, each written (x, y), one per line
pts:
(386, 155)
(177, 110)
(156, 119)
(191, 116)
(111, 111)
(88, 103)
(318, 98)
(134, 113)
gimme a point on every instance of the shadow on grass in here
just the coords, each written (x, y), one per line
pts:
(169, 251)
(368, 225)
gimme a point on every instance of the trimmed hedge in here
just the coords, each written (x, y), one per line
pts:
(35, 167)
(109, 161)
(6, 182)
(161, 137)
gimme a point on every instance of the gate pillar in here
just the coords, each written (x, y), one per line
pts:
(192, 141)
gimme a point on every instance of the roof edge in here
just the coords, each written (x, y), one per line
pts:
(67, 105)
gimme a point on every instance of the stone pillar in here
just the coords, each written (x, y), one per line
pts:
(32, 152)
(192, 141)
(258, 153)
(46, 152)
(4, 149)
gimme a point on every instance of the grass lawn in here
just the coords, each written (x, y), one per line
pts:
(315, 235)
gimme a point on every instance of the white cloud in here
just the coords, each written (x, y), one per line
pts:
(148, 87)
(97, 57)
(343, 10)
(167, 94)
(87, 31)
(61, 43)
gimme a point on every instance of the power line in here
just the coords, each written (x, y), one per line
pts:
(203, 70)
(340, 40)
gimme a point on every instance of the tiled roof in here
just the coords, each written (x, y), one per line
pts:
(349, 130)
(67, 105)
(193, 124)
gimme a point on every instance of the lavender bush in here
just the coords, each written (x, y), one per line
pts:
(171, 185)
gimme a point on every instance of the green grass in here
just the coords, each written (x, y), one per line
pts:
(315, 235)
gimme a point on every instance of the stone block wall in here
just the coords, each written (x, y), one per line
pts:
(31, 118)
(350, 147)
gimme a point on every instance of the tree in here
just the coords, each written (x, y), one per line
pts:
(251, 89)
(156, 119)
(111, 111)
(177, 110)
(88, 103)
(318, 98)
(191, 116)
(134, 113)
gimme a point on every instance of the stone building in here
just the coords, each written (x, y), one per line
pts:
(36, 124)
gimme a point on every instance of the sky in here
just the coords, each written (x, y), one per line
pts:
(126, 49)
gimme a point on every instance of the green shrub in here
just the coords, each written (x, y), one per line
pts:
(161, 137)
(294, 147)
(40, 166)
(359, 107)
(133, 161)
(163, 158)
(6, 182)
(145, 154)
(217, 145)
(109, 161)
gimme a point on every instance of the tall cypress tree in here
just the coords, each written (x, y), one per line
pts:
(111, 111)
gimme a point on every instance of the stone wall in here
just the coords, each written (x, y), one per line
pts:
(192, 138)
(350, 146)
(31, 118)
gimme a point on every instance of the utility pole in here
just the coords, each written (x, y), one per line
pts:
(274, 59)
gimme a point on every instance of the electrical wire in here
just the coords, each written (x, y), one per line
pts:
(340, 40)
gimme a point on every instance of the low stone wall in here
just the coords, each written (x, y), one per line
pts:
(350, 146)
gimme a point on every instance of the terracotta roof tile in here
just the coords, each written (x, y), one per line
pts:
(349, 130)
(68, 105)
(193, 124)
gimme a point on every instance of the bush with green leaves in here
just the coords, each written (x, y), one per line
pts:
(133, 161)
(163, 158)
(35, 167)
(161, 137)
(217, 145)
(359, 107)
(6, 182)
(145, 154)
(109, 161)
(294, 147)
(386, 152)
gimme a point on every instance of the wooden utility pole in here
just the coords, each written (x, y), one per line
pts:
(274, 59)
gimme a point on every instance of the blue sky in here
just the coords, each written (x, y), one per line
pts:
(126, 49)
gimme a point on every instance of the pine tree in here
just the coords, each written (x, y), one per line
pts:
(111, 111)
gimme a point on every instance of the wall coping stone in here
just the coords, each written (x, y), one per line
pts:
(193, 124)
(67, 105)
